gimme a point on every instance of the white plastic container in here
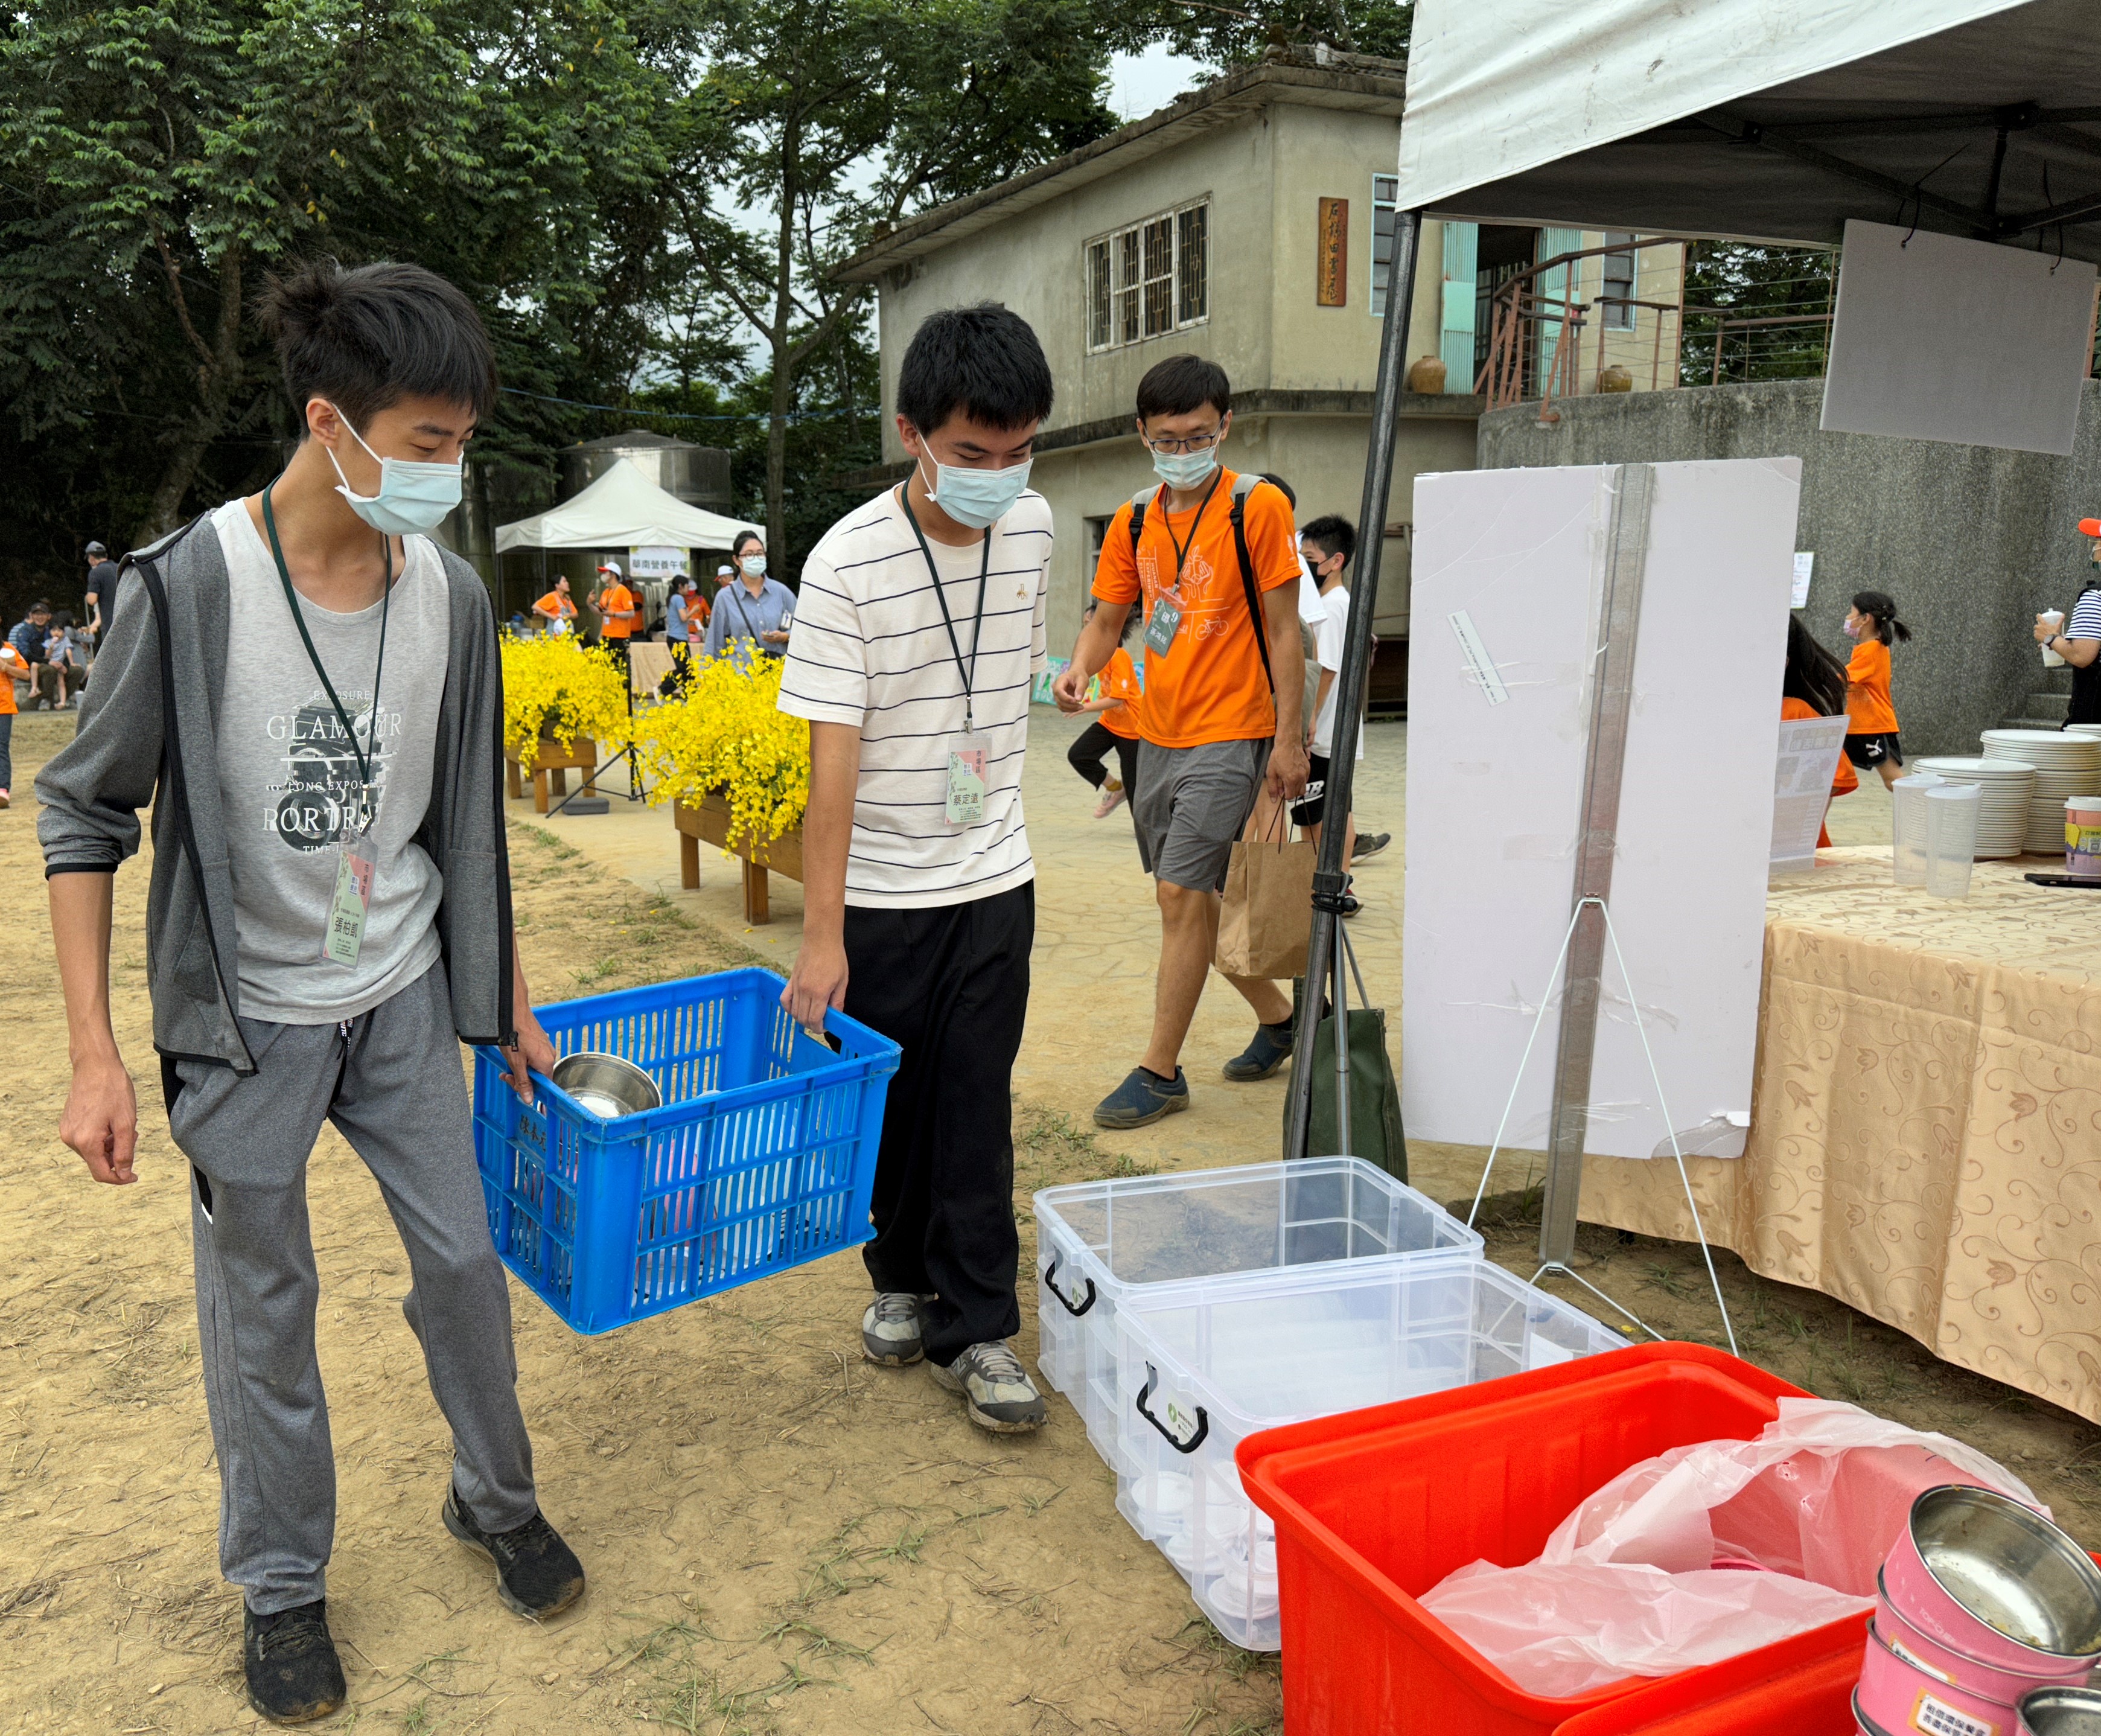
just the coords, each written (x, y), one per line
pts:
(1950, 839)
(2054, 619)
(1203, 1367)
(1908, 824)
(1101, 1243)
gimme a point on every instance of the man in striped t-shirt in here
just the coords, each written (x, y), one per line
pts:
(918, 632)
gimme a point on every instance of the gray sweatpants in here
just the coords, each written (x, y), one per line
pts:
(391, 1082)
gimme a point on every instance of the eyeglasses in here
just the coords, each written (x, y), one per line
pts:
(1195, 443)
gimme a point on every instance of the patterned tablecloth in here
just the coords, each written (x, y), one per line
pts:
(1925, 1130)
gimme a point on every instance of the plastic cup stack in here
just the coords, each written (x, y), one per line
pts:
(1951, 838)
(1908, 795)
(2055, 618)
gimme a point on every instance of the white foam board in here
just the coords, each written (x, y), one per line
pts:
(1938, 337)
(1495, 792)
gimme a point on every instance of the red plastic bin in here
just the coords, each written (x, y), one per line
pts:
(1373, 1508)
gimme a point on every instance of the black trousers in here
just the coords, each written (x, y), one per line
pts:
(950, 985)
(1085, 756)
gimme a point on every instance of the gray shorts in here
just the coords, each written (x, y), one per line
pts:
(1192, 804)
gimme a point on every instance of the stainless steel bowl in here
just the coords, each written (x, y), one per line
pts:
(606, 1085)
(2011, 1569)
(2061, 1712)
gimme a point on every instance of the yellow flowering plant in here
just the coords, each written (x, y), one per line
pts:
(726, 732)
(552, 682)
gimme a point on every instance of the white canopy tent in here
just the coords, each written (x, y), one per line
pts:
(623, 509)
(1772, 119)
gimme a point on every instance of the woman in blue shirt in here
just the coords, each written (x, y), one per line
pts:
(754, 613)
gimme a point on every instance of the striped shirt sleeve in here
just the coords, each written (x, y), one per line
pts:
(2085, 622)
(826, 677)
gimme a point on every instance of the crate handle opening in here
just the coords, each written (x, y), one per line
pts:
(1050, 1283)
(1203, 1417)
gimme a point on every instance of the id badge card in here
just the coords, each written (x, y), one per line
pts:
(1166, 621)
(966, 780)
(356, 860)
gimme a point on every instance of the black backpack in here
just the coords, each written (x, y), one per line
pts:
(1243, 486)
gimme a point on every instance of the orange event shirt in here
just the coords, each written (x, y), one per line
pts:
(1870, 709)
(614, 603)
(556, 604)
(1208, 685)
(1119, 681)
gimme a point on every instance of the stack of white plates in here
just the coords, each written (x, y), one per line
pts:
(2086, 729)
(2005, 801)
(2065, 765)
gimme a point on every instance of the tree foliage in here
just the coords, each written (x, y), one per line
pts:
(1233, 32)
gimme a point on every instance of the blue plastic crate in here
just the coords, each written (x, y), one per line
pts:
(762, 1158)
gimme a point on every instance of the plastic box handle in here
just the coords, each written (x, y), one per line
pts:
(1203, 1417)
(1051, 1285)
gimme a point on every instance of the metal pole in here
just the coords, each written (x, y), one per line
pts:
(1341, 1050)
(1328, 878)
(1612, 703)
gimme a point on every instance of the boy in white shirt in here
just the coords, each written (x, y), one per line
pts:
(918, 634)
(1326, 545)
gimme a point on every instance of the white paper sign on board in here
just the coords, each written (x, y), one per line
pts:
(1495, 798)
(1805, 563)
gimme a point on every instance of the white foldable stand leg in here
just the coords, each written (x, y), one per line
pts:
(1589, 921)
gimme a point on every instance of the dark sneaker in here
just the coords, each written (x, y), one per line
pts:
(1369, 844)
(996, 1390)
(892, 1328)
(1270, 1050)
(537, 1573)
(1142, 1098)
(293, 1674)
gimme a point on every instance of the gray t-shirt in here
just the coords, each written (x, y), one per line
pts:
(289, 780)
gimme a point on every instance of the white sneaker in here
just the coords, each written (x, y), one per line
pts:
(996, 1390)
(1111, 797)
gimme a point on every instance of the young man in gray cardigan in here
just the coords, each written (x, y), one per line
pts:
(328, 918)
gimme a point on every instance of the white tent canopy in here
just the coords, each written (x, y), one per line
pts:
(1777, 119)
(623, 509)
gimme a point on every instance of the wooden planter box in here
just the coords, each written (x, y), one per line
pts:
(552, 761)
(709, 819)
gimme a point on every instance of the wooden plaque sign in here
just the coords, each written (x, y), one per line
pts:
(1331, 267)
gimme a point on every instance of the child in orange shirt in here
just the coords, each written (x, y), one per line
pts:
(1871, 731)
(1814, 685)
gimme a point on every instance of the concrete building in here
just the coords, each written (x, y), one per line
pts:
(1250, 221)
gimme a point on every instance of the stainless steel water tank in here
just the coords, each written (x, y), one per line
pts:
(697, 474)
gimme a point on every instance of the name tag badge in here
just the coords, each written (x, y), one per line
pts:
(344, 933)
(966, 780)
(1166, 621)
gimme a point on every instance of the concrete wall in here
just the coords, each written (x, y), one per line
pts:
(1969, 540)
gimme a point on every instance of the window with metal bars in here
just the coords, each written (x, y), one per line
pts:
(1617, 295)
(1385, 192)
(1150, 279)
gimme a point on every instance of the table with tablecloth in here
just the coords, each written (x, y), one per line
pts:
(1925, 1129)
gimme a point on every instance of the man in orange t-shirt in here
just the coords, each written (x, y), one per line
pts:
(1221, 720)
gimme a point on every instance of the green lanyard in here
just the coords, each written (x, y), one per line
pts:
(977, 623)
(363, 757)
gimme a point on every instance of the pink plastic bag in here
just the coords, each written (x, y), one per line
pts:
(1710, 1550)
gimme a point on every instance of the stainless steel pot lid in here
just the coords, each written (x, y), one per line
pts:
(606, 1085)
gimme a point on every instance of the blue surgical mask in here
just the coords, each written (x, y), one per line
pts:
(413, 498)
(1184, 469)
(753, 566)
(979, 499)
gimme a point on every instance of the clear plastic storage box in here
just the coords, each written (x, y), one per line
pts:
(1101, 1242)
(1203, 1366)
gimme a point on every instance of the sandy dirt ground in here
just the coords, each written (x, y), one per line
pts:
(781, 1538)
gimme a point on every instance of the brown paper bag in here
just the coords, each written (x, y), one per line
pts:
(1267, 920)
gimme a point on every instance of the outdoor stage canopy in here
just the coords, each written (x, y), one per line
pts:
(1775, 120)
(623, 509)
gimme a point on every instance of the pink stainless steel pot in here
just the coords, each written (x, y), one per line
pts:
(1996, 1582)
(1900, 1697)
(1937, 1658)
